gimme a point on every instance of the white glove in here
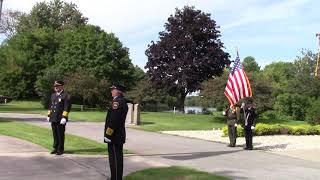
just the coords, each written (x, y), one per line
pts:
(107, 140)
(252, 127)
(224, 113)
(48, 119)
(235, 125)
(63, 121)
(242, 105)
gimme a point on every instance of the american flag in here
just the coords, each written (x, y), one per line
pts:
(238, 85)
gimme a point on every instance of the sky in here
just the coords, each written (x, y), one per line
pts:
(269, 30)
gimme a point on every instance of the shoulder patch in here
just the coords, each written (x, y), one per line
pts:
(115, 105)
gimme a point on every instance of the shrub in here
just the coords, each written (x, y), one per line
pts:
(240, 131)
(277, 129)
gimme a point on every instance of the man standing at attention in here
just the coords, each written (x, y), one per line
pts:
(59, 109)
(114, 132)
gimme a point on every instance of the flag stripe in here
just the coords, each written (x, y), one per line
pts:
(235, 90)
(244, 83)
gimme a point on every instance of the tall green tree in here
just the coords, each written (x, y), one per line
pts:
(304, 81)
(145, 94)
(25, 57)
(189, 52)
(101, 54)
(55, 14)
(212, 92)
(9, 22)
(279, 74)
(250, 64)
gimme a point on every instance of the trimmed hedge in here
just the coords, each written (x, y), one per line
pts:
(277, 129)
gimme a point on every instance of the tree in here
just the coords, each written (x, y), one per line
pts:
(213, 92)
(99, 53)
(279, 74)
(313, 113)
(262, 91)
(303, 68)
(92, 90)
(189, 52)
(148, 96)
(44, 85)
(55, 14)
(33, 43)
(250, 64)
(26, 56)
(294, 105)
(9, 22)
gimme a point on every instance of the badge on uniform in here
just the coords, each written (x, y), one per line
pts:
(115, 105)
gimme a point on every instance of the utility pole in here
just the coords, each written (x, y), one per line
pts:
(317, 69)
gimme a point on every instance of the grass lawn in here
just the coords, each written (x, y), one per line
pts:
(150, 121)
(43, 137)
(29, 107)
(172, 173)
(162, 121)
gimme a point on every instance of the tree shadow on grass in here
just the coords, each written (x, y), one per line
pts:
(218, 119)
(2, 120)
(146, 123)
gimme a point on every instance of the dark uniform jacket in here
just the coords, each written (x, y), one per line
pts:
(59, 107)
(115, 121)
(248, 115)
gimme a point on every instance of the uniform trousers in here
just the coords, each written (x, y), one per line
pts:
(58, 136)
(248, 136)
(115, 152)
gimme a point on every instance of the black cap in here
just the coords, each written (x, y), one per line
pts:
(118, 87)
(58, 83)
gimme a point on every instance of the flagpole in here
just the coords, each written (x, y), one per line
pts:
(316, 73)
(237, 50)
(1, 1)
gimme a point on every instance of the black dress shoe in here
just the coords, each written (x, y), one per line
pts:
(59, 153)
(53, 152)
(230, 145)
(248, 148)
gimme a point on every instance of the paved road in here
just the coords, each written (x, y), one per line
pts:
(204, 155)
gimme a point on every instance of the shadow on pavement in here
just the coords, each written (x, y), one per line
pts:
(277, 146)
(191, 155)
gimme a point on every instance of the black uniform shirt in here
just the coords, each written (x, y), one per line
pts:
(60, 106)
(115, 121)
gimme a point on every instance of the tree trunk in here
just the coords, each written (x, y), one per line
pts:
(83, 103)
(181, 102)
